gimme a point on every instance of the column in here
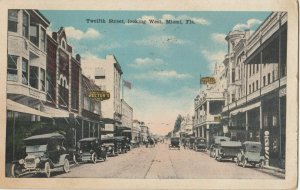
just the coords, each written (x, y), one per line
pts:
(247, 125)
(207, 104)
(207, 135)
(203, 131)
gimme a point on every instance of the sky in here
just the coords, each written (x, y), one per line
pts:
(163, 62)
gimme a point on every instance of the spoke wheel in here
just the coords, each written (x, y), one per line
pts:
(66, 166)
(94, 158)
(47, 169)
(15, 170)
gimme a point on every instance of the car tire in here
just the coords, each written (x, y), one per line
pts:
(94, 158)
(237, 162)
(244, 162)
(66, 166)
(261, 164)
(47, 170)
(104, 157)
(15, 170)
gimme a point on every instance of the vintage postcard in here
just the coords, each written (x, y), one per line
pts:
(149, 95)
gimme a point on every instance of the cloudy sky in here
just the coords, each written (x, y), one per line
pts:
(163, 62)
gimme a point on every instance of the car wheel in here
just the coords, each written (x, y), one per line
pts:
(94, 158)
(261, 164)
(104, 157)
(15, 170)
(113, 153)
(218, 158)
(237, 162)
(47, 169)
(66, 166)
(244, 162)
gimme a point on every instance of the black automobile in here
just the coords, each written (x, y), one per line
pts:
(200, 144)
(91, 149)
(215, 144)
(123, 144)
(44, 154)
(191, 142)
(111, 145)
(174, 143)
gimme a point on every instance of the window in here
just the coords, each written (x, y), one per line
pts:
(49, 87)
(34, 77)
(253, 70)
(273, 76)
(42, 40)
(264, 81)
(253, 87)
(13, 20)
(34, 34)
(249, 88)
(25, 24)
(233, 75)
(12, 71)
(232, 98)
(250, 70)
(42, 79)
(256, 84)
(24, 71)
(74, 99)
(269, 78)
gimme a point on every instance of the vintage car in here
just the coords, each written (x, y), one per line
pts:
(215, 143)
(44, 154)
(191, 142)
(174, 143)
(250, 154)
(200, 144)
(111, 145)
(91, 149)
(123, 144)
(227, 149)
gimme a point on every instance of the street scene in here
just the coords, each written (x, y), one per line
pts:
(146, 94)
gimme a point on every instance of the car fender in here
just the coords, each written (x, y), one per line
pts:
(62, 158)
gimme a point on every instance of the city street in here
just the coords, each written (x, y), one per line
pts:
(161, 163)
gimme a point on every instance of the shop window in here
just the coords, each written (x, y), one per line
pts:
(12, 71)
(42, 79)
(42, 40)
(25, 24)
(34, 34)
(13, 20)
(34, 77)
(24, 71)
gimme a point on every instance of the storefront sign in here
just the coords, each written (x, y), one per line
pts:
(207, 80)
(99, 95)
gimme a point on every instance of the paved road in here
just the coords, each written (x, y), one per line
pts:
(162, 163)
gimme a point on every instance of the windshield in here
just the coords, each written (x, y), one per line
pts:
(87, 145)
(36, 148)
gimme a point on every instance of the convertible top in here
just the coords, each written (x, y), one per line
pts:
(219, 139)
(45, 136)
(88, 139)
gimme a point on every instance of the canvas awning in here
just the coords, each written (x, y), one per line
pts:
(246, 108)
(17, 107)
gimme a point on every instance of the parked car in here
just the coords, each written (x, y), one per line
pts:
(123, 144)
(44, 154)
(250, 154)
(91, 149)
(174, 143)
(200, 144)
(111, 145)
(215, 143)
(227, 149)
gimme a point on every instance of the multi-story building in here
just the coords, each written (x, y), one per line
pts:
(144, 133)
(136, 130)
(255, 107)
(107, 74)
(26, 76)
(126, 119)
(186, 126)
(208, 107)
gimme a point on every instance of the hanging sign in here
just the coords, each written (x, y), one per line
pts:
(99, 95)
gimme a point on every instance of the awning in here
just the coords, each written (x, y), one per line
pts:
(126, 131)
(109, 121)
(17, 107)
(124, 128)
(54, 112)
(244, 109)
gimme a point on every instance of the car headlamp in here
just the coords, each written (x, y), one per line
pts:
(37, 160)
(80, 151)
(21, 161)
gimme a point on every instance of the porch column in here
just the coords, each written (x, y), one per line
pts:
(82, 128)
(207, 135)
(247, 125)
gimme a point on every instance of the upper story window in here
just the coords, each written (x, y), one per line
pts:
(34, 77)
(233, 75)
(25, 24)
(13, 20)
(24, 71)
(12, 71)
(34, 34)
(42, 79)
(43, 39)
(63, 43)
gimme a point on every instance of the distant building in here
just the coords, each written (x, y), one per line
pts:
(144, 132)
(186, 126)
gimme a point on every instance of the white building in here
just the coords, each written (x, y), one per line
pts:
(186, 126)
(107, 74)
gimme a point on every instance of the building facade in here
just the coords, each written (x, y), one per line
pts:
(255, 106)
(107, 75)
